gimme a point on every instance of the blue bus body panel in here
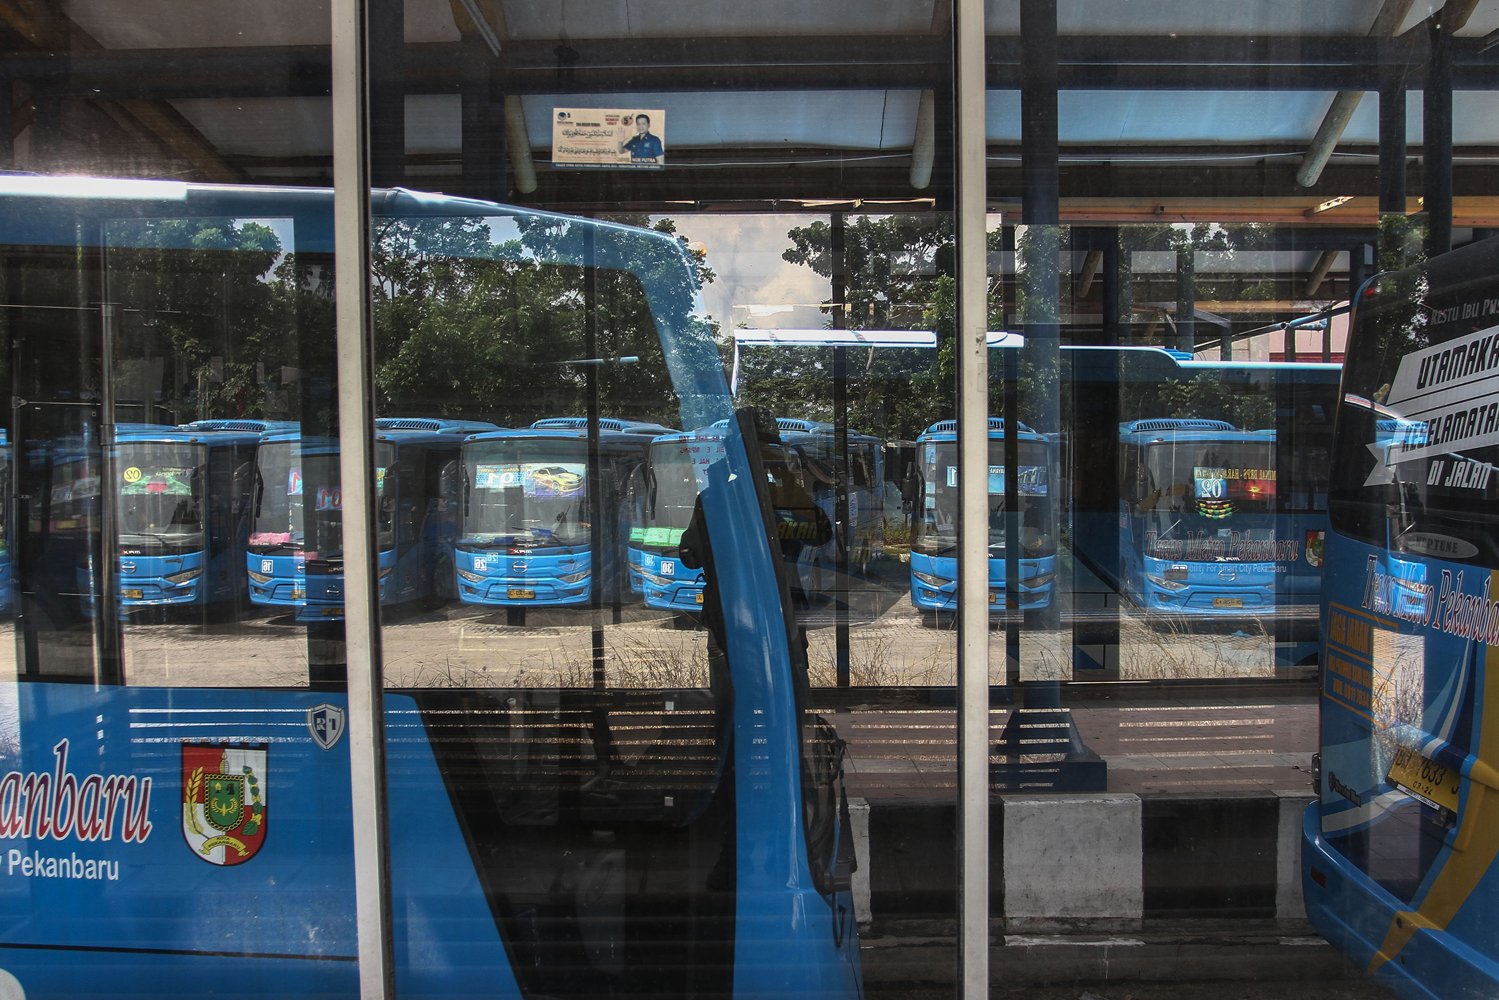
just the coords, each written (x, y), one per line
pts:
(783, 926)
(529, 577)
(1396, 632)
(89, 910)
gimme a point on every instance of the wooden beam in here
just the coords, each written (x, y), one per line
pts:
(1319, 274)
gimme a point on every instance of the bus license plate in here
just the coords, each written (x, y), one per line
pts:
(1430, 782)
(516, 594)
(1228, 602)
(298, 594)
(699, 597)
(993, 597)
(132, 593)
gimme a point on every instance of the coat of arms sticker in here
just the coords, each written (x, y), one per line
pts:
(224, 801)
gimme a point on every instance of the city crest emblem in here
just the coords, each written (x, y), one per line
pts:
(223, 801)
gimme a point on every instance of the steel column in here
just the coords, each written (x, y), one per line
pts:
(352, 229)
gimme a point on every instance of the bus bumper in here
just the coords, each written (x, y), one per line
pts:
(157, 592)
(1355, 915)
(524, 592)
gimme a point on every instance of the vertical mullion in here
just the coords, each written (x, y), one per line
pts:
(973, 481)
(351, 219)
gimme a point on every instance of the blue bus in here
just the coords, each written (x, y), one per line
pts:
(934, 540)
(196, 833)
(865, 489)
(1218, 510)
(527, 537)
(1399, 847)
(182, 496)
(295, 556)
(1203, 532)
(674, 474)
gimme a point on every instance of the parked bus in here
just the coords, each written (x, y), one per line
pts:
(183, 499)
(295, 557)
(1219, 508)
(196, 831)
(528, 535)
(1201, 532)
(864, 488)
(1398, 850)
(674, 474)
(934, 540)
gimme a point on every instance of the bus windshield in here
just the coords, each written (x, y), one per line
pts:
(526, 492)
(1190, 489)
(160, 493)
(281, 501)
(937, 528)
(673, 488)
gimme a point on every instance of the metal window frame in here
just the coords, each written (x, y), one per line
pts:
(969, 82)
(353, 310)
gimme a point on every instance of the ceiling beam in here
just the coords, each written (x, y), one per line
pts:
(675, 65)
(1345, 102)
(48, 27)
(1319, 274)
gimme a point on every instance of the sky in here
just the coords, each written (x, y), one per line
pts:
(755, 287)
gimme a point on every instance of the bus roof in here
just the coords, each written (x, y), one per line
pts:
(434, 425)
(605, 424)
(1155, 429)
(184, 434)
(948, 430)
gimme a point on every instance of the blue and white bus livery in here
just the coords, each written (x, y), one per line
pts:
(527, 534)
(295, 558)
(934, 543)
(182, 496)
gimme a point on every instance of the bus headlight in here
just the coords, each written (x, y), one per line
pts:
(931, 581)
(387, 571)
(1039, 580)
(1164, 583)
(575, 577)
(472, 577)
(187, 577)
(260, 577)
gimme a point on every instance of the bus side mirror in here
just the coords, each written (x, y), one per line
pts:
(447, 480)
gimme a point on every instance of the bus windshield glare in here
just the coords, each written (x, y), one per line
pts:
(280, 506)
(937, 528)
(673, 495)
(160, 493)
(526, 492)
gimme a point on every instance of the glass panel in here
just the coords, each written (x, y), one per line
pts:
(670, 564)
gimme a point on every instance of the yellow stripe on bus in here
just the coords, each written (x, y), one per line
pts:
(1478, 833)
